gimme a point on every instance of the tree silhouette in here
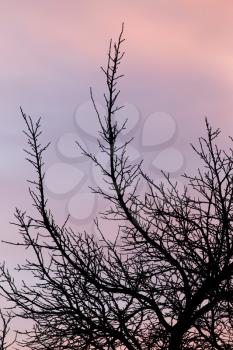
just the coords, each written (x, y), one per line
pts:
(164, 283)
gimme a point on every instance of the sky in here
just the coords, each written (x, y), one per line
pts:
(178, 69)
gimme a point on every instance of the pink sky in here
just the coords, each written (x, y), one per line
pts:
(179, 59)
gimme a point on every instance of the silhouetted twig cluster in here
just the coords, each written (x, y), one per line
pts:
(164, 283)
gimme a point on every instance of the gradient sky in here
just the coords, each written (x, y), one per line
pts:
(179, 59)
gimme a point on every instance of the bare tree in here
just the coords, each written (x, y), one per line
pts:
(164, 283)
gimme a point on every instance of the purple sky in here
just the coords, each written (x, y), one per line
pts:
(179, 59)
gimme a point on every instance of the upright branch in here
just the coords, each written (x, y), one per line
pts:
(5, 341)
